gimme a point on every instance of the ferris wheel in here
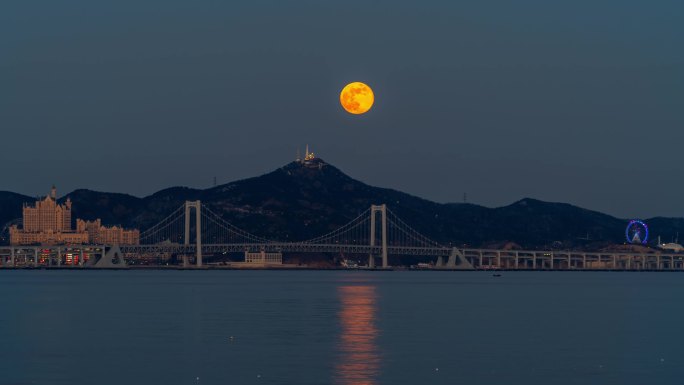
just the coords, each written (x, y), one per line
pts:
(636, 232)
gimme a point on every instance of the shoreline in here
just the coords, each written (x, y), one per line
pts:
(301, 268)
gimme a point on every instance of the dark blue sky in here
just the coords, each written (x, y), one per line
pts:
(580, 102)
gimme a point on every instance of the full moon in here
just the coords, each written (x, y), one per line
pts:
(357, 98)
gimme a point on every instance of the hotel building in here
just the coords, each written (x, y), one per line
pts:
(49, 223)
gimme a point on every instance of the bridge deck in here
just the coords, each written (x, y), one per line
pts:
(478, 258)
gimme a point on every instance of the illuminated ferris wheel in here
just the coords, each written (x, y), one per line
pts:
(636, 232)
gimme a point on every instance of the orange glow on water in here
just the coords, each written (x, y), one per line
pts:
(359, 361)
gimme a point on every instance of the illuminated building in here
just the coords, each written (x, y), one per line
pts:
(47, 215)
(308, 156)
(49, 223)
(310, 160)
(264, 258)
(115, 235)
(46, 223)
(20, 237)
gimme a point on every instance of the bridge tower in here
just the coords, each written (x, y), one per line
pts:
(382, 209)
(197, 205)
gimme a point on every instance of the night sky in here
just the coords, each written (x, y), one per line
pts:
(577, 101)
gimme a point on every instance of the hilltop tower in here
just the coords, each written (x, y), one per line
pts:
(309, 155)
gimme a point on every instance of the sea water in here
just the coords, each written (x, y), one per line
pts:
(340, 327)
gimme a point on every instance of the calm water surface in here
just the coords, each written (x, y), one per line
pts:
(340, 327)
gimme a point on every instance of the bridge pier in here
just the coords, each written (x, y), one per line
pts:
(382, 209)
(197, 205)
(113, 258)
(455, 256)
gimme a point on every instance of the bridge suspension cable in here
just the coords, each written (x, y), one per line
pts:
(216, 230)
(354, 232)
(169, 229)
(401, 234)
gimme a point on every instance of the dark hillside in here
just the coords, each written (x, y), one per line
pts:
(300, 201)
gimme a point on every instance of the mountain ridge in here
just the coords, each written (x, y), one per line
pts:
(301, 200)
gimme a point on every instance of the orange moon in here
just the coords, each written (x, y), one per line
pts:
(357, 98)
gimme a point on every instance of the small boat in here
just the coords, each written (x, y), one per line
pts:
(496, 275)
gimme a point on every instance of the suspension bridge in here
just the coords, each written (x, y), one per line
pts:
(194, 229)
